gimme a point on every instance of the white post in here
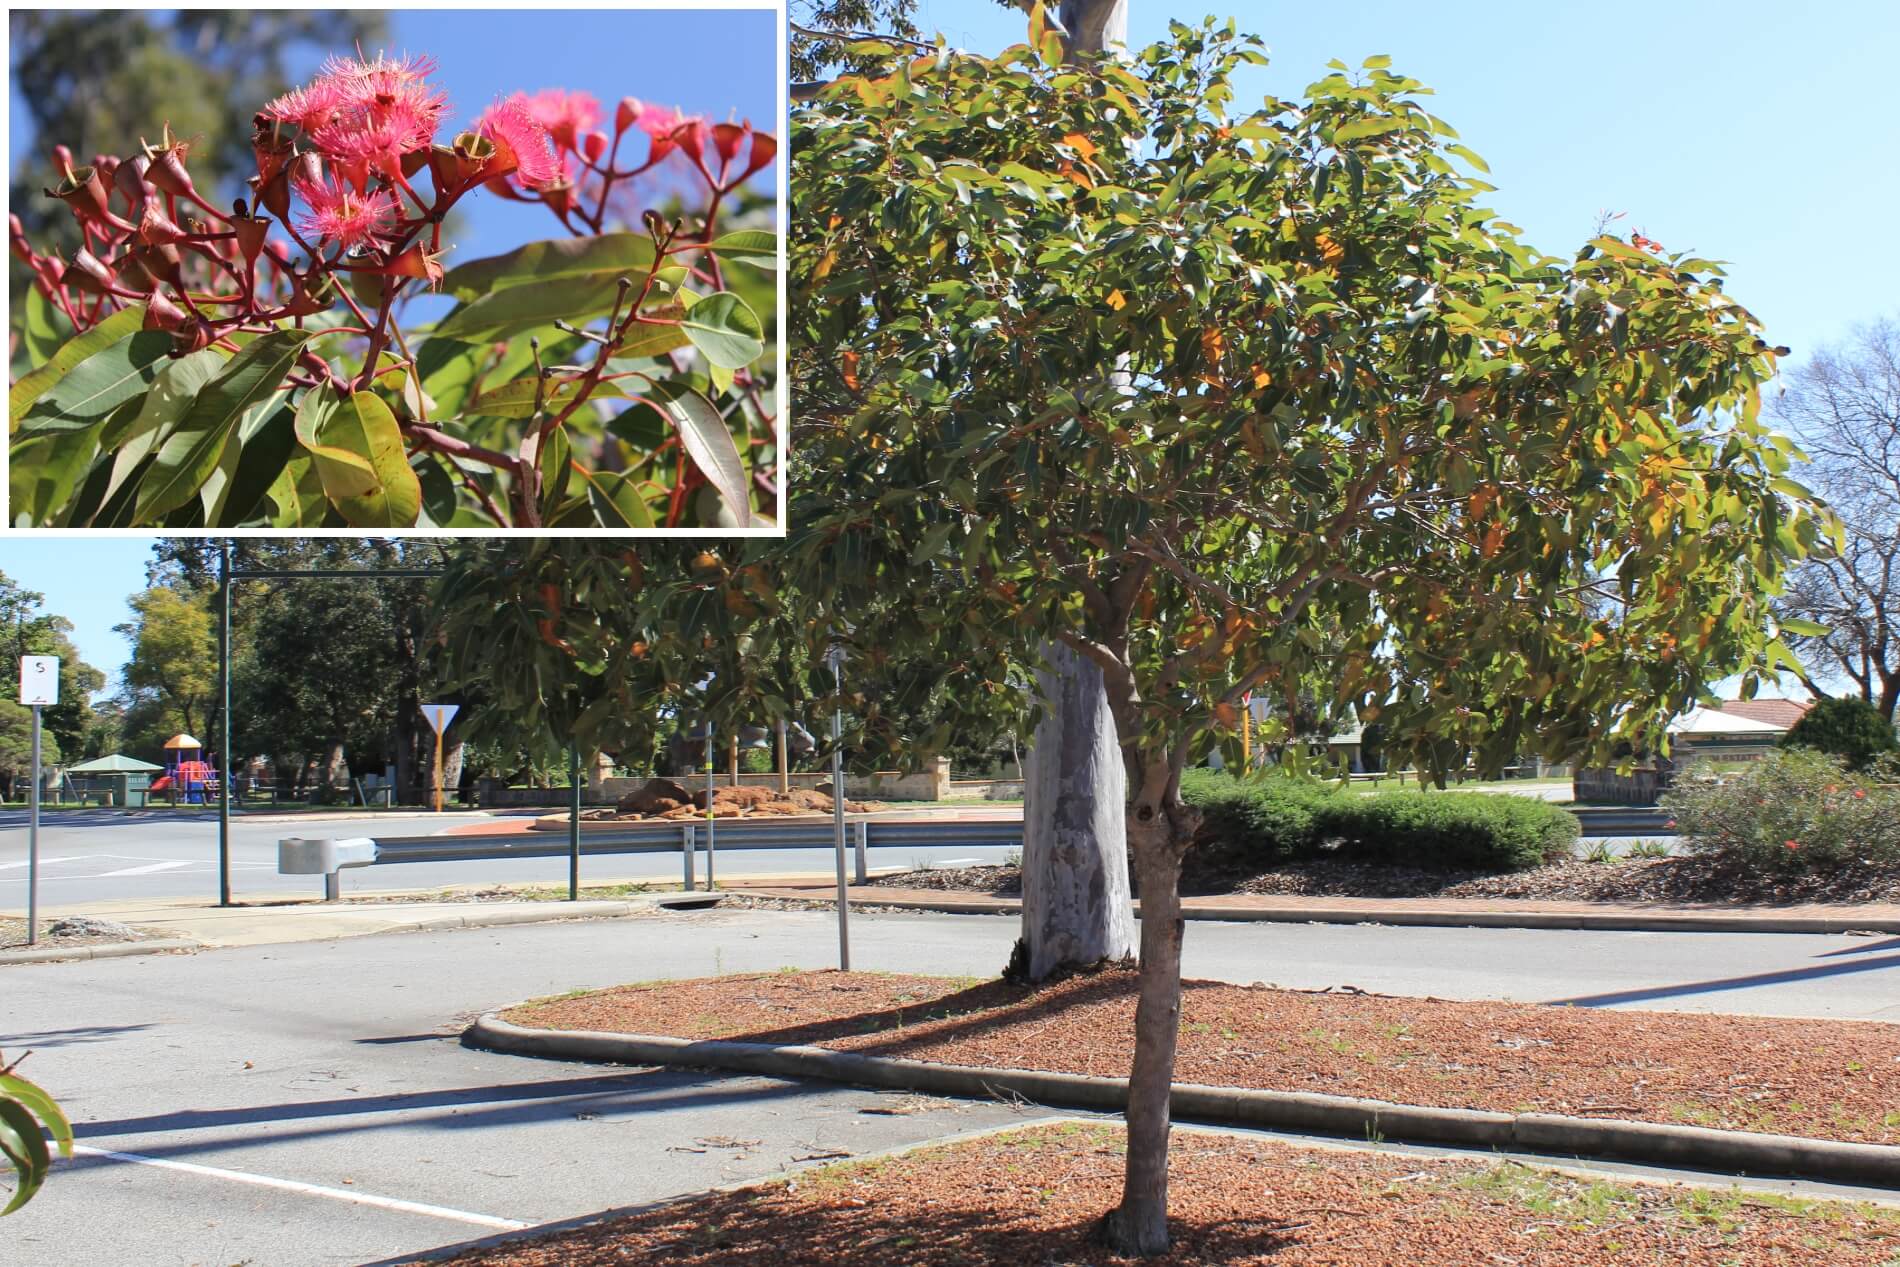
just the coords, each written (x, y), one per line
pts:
(33, 842)
(837, 812)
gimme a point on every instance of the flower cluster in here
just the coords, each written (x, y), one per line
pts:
(338, 165)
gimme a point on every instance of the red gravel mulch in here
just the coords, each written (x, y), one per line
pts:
(1034, 1196)
(1822, 1079)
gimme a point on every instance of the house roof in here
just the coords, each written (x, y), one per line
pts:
(1710, 721)
(1779, 712)
(114, 764)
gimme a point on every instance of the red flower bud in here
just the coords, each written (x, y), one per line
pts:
(133, 274)
(251, 232)
(313, 295)
(594, 144)
(413, 162)
(469, 158)
(162, 314)
(83, 191)
(417, 263)
(16, 235)
(167, 171)
(559, 197)
(62, 160)
(89, 274)
(727, 138)
(195, 336)
(627, 113)
(273, 194)
(279, 250)
(764, 150)
(129, 179)
(161, 262)
(156, 227)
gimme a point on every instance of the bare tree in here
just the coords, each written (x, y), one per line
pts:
(1844, 405)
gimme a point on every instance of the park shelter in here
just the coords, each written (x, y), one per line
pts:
(1716, 734)
(116, 779)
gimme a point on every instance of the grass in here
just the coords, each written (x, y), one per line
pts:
(1554, 1196)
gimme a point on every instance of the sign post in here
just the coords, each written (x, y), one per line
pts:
(39, 686)
(439, 716)
(836, 659)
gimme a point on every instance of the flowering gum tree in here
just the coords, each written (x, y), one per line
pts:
(1231, 401)
(195, 367)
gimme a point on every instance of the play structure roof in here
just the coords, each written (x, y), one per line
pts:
(181, 740)
(116, 763)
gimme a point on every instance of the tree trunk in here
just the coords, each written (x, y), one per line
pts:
(1139, 1225)
(336, 770)
(1076, 910)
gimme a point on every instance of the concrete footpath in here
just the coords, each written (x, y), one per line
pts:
(1417, 911)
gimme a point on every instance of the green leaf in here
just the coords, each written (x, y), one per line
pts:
(520, 309)
(757, 247)
(557, 471)
(1379, 61)
(42, 1106)
(102, 336)
(605, 258)
(1802, 628)
(361, 460)
(708, 441)
(44, 327)
(192, 451)
(297, 493)
(617, 501)
(516, 399)
(165, 402)
(343, 472)
(98, 385)
(25, 1147)
(725, 330)
(262, 455)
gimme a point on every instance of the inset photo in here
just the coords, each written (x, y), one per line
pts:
(434, 270)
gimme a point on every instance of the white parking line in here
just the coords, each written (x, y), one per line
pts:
(310, 1189)
(151, 867)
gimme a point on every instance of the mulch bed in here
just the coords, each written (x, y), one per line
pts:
(75, 933)
(1693, 879)
(1035, 1196)
(1819, 1078)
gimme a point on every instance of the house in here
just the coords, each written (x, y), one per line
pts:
(1721, 734)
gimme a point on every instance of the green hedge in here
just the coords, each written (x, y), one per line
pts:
(1276, 819)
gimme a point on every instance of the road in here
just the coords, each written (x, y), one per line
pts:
(99, 856)
(332, 1066)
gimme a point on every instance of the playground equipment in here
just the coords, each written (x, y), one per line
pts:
(186, 774)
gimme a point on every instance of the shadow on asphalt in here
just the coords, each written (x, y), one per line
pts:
(503, 1104)
(1727, 983)
(1892, 943)
(69, 1037)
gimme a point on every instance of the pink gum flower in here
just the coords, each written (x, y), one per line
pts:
(566, 115)
(521, 143)
(343, 214)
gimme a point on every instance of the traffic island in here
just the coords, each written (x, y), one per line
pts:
(1036, 1194)
(1747, 1095)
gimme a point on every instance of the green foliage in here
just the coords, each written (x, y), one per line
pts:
(1240, 402)
(1849, 728)
(1795, 810)
(173, 672)
(65, 725)
(27, 1116)
(1273, 818)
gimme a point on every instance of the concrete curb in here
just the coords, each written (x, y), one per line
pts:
(1590, 921)
(111, 950)
(499, 919)
(1653, 1143)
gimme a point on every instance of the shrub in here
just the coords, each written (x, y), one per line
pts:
(1276, 819)
(1793, 810)
(1851, 729)
(1478, 830)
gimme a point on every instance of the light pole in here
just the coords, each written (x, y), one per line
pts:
(835, 657)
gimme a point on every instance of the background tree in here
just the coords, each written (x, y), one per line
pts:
(1844, 405)
(1849, 728)
(170, 682)
(1185, 390)
(32, 631)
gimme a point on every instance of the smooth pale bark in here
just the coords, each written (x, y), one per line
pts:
(1076, 910)
(1093, 26)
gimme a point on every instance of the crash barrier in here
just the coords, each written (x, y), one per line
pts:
(327, 857)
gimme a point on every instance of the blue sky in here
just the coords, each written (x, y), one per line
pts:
(87, 582)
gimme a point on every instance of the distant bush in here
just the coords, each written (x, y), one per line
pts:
(1793, 810)
(1283, 819)
(1851, 729)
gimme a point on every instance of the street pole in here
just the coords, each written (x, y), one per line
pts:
(224, 723)
(573, 820)
(33, 841)
(710, 847)
(837, 812)
(438, 771)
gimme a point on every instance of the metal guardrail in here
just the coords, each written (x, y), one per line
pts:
(686, 838)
